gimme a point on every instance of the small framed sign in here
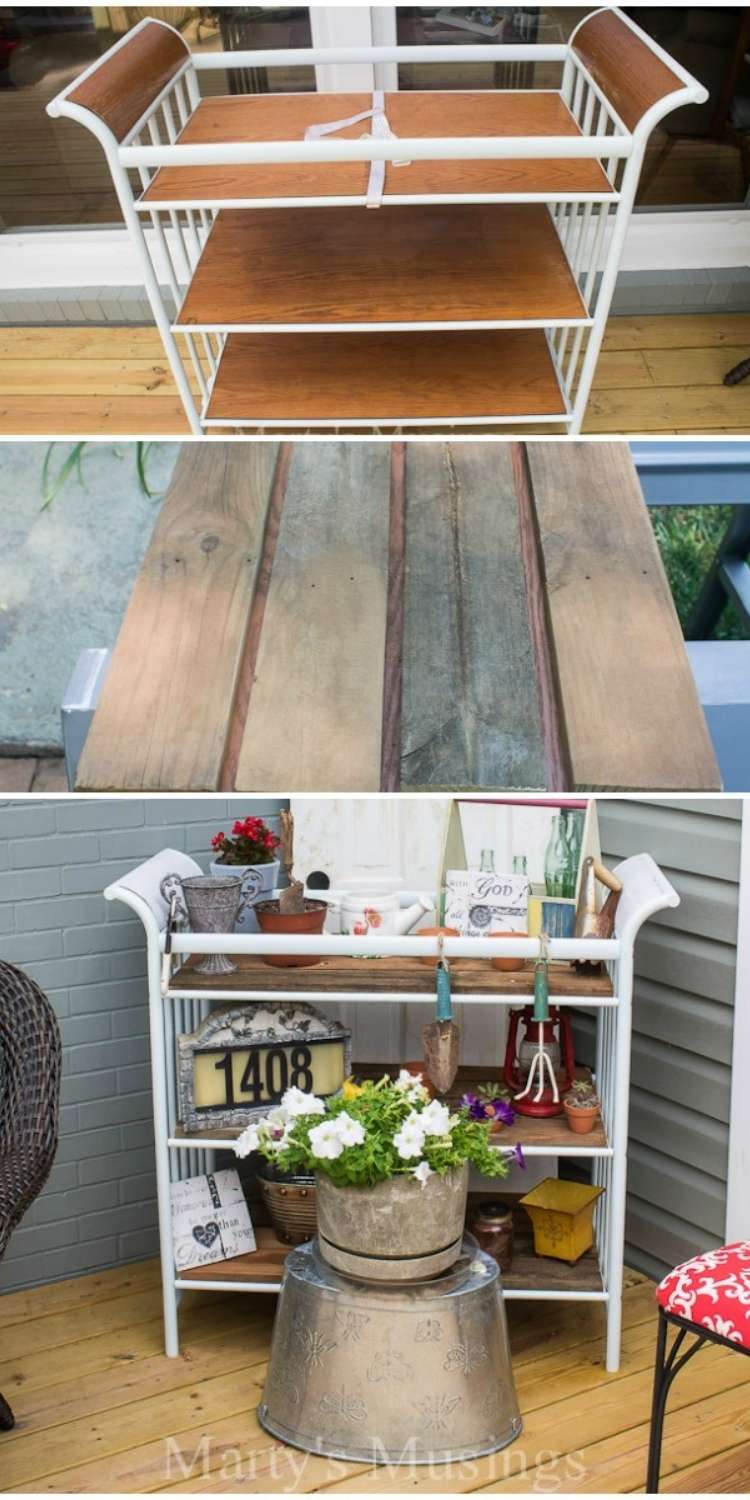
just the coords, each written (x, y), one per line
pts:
(240, 1062)
(479, 902)
(210, 1220)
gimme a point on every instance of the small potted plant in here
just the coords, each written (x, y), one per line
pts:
(249, 851)
(581, 1106)
(391, 1168)
(293, 912)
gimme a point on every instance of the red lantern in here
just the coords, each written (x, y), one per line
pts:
(549, 1042)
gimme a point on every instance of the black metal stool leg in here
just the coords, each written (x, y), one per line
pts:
(658, 1403)
(7, 1419)
(664, 1373)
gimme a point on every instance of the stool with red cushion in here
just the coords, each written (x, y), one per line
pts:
(709, 1297)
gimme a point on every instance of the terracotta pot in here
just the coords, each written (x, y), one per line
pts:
(507, 965)
(581, 1120)
(433, 932)
(395, 1231)
(274, 922)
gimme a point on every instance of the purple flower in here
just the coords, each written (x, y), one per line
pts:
(516, 1155)
(503, 1111)
(474, 1107)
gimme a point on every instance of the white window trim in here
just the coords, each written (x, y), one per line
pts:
(738, 1174)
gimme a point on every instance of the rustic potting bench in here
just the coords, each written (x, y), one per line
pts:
(363, 616)
(476, 292)
(180, 998)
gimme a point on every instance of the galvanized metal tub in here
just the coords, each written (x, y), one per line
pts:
(397, 1231)
(391, 1374)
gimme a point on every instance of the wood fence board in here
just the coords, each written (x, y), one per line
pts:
(470, 714)
(315, 712)
(166, 706)
(632, 716)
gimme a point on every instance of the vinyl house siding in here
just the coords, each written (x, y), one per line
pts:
(685, 964)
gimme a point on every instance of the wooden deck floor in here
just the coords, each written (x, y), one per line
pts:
(99, 1407)
(656, 374)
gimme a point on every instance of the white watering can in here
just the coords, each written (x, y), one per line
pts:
(379, 914)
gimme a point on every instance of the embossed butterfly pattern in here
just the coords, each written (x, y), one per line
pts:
(343, 1404)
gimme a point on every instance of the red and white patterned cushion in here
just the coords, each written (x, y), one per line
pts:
(713, 1290)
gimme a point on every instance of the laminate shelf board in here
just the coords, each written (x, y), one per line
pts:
(468, 263)
(391, 975)
(285, 117)
(374, 378)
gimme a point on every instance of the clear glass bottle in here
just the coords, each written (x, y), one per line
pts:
(573, 821)
(557, 860)
(487, 862)
(520, 864)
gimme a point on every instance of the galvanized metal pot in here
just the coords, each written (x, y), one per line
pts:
(387, 1373)
(398, 1230)
(213, 905)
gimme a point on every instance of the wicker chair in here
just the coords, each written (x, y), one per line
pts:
(30, 1065)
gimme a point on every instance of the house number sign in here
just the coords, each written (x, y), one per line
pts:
(240, 1062)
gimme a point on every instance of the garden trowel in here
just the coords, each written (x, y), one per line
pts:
(441, 1038)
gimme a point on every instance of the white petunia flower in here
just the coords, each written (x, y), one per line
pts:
(422, 1172)
(436, 1118)
(407, 1080)
(248, 1142)
(325, 1141)
(297, 1103)
(409, 1140)
(350, 1132)
(276, 1123)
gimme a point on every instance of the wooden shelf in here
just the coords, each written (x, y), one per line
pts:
(483, 263)
(333, 378)
(529, 1272)
(264, 1264)
(543, 1137)
(391, 975)
(285, 117)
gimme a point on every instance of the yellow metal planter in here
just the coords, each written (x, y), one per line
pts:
(562, 1215)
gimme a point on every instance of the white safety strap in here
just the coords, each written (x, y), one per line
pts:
(381, 131)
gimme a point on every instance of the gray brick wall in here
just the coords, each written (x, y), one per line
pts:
(88, 955)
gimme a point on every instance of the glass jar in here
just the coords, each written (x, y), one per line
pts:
(557, 860)
(493, 1228)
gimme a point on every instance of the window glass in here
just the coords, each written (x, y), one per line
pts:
(53, 172)
(699, 156)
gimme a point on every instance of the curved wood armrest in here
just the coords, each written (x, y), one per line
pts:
(119, 89)
(623, 64)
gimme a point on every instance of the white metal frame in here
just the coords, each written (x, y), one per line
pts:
(172, 1011)
(591, 226)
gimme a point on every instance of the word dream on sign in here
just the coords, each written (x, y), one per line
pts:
(478, 903)
(210, 1220)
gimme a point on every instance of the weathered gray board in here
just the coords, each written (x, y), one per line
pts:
(470, 709)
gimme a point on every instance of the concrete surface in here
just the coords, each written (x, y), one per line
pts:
(65, 573)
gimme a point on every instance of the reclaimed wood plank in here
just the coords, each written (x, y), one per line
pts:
(468, 976)
(319, 671)
(632, 716)
(183, 635)
(470, 712)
